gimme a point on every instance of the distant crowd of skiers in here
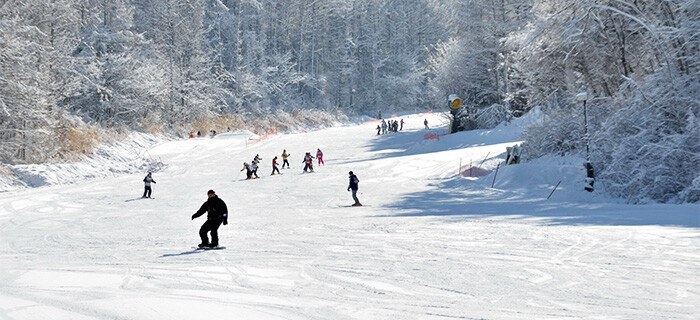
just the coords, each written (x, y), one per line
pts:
(391, 126)
(252, 169)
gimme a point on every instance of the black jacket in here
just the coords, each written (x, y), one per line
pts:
(353, 184)
(216, 209)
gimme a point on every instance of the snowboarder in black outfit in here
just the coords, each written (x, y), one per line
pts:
(147, 185)
(217, 213)
(353, 186)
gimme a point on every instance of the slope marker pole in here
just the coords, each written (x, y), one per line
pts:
(494, 175)
(555, 189)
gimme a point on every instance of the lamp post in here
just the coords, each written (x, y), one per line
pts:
(590, 177)
(352, 93)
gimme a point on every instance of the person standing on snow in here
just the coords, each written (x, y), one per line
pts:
(383, 126)
(248, 171)
(379, 130)
(147, 185)
(284, 158)
(217, 213)
(254, 168)
(274, 167)
(353, 186)
(425, 122)
(319, 156)
(401, 129)
(309, 162)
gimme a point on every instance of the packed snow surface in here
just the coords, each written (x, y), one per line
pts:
(428, 244)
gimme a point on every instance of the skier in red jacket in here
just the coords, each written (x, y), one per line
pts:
(274, 167)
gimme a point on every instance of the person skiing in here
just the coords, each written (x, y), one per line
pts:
(384, 126)
(217, 213)
(319, 156)
(248, 171)
(425, 122)
(401, 129)
(254, 169)
(274, 167)
(396, 126)
(379, 130)
(257, 159)
(147, 185)
(284, 158)
(353, 186)
(309, 162)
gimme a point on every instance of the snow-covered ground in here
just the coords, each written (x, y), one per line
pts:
(428, 244)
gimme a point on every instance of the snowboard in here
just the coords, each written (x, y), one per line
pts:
(207, 248)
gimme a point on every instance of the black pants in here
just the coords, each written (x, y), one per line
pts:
(275, 169)
(310, 167)
(248, 174)
(354, 196)
(147, 192)
(285, 162)
(213, 226)
(255, 172)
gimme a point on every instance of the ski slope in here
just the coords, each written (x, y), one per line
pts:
(428, 244)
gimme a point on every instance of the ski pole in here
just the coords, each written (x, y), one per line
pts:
(555, 189)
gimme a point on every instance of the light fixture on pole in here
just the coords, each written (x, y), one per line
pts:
(590, 177)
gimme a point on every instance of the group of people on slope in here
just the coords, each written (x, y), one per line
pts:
(252, 169)
(217, 212)
(391, 126)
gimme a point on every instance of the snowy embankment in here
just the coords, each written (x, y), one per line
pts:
(107, 160)
(428, 244)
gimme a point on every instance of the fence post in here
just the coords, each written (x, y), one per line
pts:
(494, 175)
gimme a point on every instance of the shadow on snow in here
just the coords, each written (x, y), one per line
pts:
(455, 200)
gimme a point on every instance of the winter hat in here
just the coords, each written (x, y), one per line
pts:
(211, 192)
(350, 172)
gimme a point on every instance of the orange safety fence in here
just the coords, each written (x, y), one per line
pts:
(263, 137)
(431, 135)
(370, 121)
(470, 171)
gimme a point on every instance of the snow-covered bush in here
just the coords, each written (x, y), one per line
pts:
(492, 115)
(652, 141)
